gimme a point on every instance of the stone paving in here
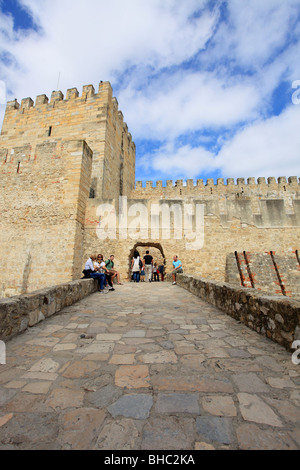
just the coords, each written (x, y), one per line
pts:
(149, 366)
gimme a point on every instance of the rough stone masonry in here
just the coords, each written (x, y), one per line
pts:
(68, 162)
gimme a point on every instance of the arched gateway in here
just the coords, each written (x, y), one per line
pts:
(155, 249)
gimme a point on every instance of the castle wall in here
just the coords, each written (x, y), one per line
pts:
(93, 117)
(43, 198)
(53, 153)
(256, 217)
(269, 272)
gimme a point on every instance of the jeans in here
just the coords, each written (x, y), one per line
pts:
(101, 279)
(136, 276)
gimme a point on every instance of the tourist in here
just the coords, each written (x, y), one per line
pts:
(103, 269)
(110, 266)
(136, 266)
(161, 269)
(91, 272)
(148, 263)
(177, 265)
(155, 273)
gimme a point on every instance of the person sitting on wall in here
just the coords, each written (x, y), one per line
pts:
(103, 269)
(177, 268)
(90, 272)
(110, 266)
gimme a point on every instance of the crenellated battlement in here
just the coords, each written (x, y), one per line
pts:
(240, 184)
(88, 91)
(61, 107)
(92, 115)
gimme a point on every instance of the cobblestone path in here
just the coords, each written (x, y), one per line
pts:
(158, 369)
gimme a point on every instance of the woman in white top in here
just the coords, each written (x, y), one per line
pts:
(103, 269)
(135, 266)
(92, 272)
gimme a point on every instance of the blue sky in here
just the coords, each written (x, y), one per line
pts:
(208, 88)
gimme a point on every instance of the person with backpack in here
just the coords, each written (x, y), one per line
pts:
(136, 266)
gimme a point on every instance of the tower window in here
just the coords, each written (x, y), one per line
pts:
(50, 131)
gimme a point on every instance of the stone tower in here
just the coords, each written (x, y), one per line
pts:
(54, 156)
(93, 117)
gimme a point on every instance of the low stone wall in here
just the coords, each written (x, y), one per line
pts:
(23, 311)
(274, 316)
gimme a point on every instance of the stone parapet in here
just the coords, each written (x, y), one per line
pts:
(272, 272)
(23, 311)
(276, 317)
(241, 188)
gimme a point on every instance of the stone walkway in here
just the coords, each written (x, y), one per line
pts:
(149, 366)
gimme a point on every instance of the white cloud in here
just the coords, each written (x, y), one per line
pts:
(187, 102)
(266, 148)
(183, 162)
(179, 68)
(255, 30)
(92, 40)
(2, 92)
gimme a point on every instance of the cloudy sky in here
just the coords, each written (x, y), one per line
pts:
(208, 88)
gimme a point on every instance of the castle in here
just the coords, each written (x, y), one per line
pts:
(68, 189)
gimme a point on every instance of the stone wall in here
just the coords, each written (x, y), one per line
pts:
(43, 197)
(276, 317)
(20, 312)
(229, 222)
(270, 272)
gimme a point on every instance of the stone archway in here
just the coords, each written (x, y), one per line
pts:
(155, 249)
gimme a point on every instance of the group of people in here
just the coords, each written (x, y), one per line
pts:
(146, 270)
(142, 269)
(103, 271)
